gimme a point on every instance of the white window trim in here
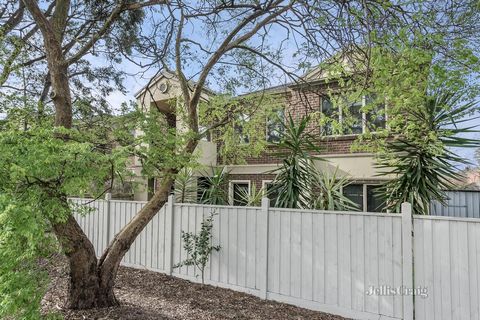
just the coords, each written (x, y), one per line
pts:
(266, 127)
(364, 193)
(364, 119)
(264, 186)
(230, 188)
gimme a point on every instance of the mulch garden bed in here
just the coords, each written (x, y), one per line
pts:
(150, 295)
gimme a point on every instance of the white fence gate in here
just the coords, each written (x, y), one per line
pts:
(321, 260)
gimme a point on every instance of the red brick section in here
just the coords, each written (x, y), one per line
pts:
(300, 102)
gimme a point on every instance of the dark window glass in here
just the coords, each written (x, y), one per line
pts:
(240, 190)
(239, 130)
(354, 192)
(271, 195)
(328, 112)
(375, 203)
(376, 116)
(150, 188)
(275, 126)
(203, 184)
(355, 121)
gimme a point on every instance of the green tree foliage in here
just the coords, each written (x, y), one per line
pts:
(199, 247)
(38, 170)
(237, 124)
(421, 163)
(24, 239)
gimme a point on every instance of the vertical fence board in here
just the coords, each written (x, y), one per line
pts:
(324, 260)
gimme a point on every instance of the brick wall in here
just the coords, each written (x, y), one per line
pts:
(298, 103)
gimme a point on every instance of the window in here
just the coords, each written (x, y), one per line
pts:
(354, 120)
(354, 192)
(375, 118)
(275, 126)
(203, 184)
(238, 191)
(374, 202)
(150, 188)
(267, 186)
(328, 112)
(239, 129)
(355, 125)
(365, 196)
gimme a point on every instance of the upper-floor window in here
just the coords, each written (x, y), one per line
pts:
(240, 130)
(328, 111)
(275, 126)
(352, 118)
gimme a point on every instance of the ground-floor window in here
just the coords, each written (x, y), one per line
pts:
(267, 187)
(151, 184)
(365, 196)
(239, 191)
(203, 184)
(354, 192)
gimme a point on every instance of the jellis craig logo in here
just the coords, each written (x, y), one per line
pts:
(387, 290)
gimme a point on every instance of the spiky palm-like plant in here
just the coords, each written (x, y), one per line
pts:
(217, 191)
(329, 192)
(252, 198)
(420, 161)
(185, 188)
(295, 177)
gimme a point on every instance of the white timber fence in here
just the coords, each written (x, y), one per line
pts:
(355, 264)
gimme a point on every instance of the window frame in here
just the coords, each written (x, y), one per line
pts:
(231, 190)
(365, 194)
(266, 125)
(340, 118)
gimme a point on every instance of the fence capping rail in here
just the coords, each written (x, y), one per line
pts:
(314, 259)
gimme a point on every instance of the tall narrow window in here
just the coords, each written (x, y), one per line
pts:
(375, 203)
(239, 129)
(355, 119)
(270, 195)
(275, 126)
(240, 191)
(328, 113)
(203, 184)
(376, 116)
(150, 188)
(354, 192)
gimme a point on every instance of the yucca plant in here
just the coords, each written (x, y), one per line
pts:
(422, 164)
(252, 198)
(185, 187)
(217, 182)
(296, 176)
(329, 192)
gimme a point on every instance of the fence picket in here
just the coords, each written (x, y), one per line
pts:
(321, 260)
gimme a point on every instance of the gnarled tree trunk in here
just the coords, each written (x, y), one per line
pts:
(86, 290)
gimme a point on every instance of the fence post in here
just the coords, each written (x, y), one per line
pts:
(108, 198)
(407, 253)
(169, 234)
(264, 267)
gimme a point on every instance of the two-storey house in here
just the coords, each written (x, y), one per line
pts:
(312, 94)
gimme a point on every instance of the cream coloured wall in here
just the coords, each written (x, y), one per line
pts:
(356, 166)
(166, 100)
